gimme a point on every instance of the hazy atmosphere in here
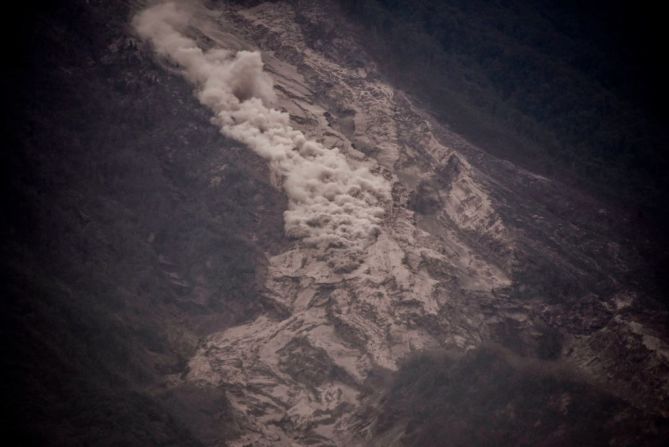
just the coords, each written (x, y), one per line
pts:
(335, 223)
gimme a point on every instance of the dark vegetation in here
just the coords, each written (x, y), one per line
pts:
(489, 397)
(117, 250)
(571, 80)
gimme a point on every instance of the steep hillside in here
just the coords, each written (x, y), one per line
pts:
(128, 232)
(226, 224)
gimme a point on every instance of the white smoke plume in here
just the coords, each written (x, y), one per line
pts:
(331, 203)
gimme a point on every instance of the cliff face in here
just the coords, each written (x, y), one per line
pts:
(249, 326)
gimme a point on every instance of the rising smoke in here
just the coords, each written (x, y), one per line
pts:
(331, 203)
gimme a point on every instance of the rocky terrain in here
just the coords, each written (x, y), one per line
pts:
(475, 293)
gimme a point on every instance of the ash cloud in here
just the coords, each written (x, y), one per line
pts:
(331, 203)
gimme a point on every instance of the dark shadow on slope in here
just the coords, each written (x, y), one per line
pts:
(489, 397)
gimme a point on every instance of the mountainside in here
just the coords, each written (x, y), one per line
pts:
(228, 225)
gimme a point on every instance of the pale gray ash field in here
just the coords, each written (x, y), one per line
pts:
(334, 223)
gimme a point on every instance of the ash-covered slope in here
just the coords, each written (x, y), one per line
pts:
(337, 268)
(470, 250)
